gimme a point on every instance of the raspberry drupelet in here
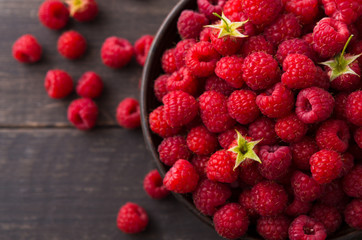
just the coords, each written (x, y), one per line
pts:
(58, 83)
(53, 14)
(128, 113)
(132, 218)
(256, 44)
(116, 52)
(199, 162)
(153, 185)
(27, 49)
(83, 113)
(261, 12)
(90, 85)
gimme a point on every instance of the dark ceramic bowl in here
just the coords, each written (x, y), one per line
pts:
(166, 38)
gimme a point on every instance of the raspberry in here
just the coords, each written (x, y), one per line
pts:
(358, 137)
(181, 177)
(269, 198)
(256, 44)
(182, 80)
(348, 163)
(325, 165)
(242, 107)
(250, 174)
(322, 79)
(273, 228)
(276, 102)
(314, 105)
(305, 188)
(333, 194)
(209, 195)
(353, 214)
(297, 208)
(27, 49)
(263, 128)
(153, 185)
(227, 137)
(230, 69)
(328, 216)
(160, 86)
(205, 35)
(354, 108)
(214, 83)
(226, 45)
(90, 85)
(199, 162)
(83, 10)
(247, 28)
(290, 128)
(347, 81)
(232, 7)
(302, 151)
(231, 221)
(180, 108)
(346, 11)
(293, 46)
(201, 141)
(260, 71)
(261, 12)
(72, 45)
(168, 61)
(142, 47)
(201, 59)
(329, 37)
(246, 201)
(128, 113)
(172, 149)
(181, 50)
(352, 182)
(53, 14)
(340, 105)
(159, 125)
(132, 218)
(208, 7)
(304, 227)
(305, 11)
(83, 113)
(190, 23)
(116, 52)
(58, 83)
(275, 161)
(214, 113)
(333, 135)
(220, 167)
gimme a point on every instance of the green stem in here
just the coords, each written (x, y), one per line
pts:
(345, 46)
(227, 25)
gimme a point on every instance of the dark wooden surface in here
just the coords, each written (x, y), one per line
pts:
(60, 183)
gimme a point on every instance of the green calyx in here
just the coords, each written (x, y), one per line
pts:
(75, 5)
(340, 64)
(244, 150)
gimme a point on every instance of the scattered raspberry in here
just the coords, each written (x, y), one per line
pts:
(354, 108)
(27, 49)
(263, 128)
(358, 137)
(242, 107)
(297, 208)
(305, 11)
(128, 113)
(290, 128)
(275, 161)
(261, 12)
(353, 214)
(214, 83)
(305, 188)
(346, 11)
(153, 185)
(328, 216)
(333, 135)
(72, 45)
(273, 228)
(256, 44)
(172, 149)
(142, 47)
(90, 85)
(352, 182)
(160, 86)
(294, 46)
(132, 218)
(159, 125)
(304, 227)
(83, 10)
(325, 165)
(168, 61)
(181, 50)
(190, 24)
(220, 167)
(208, 7)
(58, 83)
(201, 141)
(199, 162)
(53, 14)
(229, 68)
(116, 52)
(302, 151)
(83, 113)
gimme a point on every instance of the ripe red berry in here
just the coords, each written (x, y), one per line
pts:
(302, 151)
(354, 108)
(71, 45)
(27, 49)
(339, 111)
(229, 68)
(256, 44)
(116, 52)
(290, 128)
(305, 188)
(220, 167)
(153, 185)
(199, 162)
(263, 128)
(325, 165)
(328, 216)
(261, 12)
(214, 83)
(346, 11)
(58, 83)
(353, 214)
(172, 149)
(83, 10)
(201, 141)
(352, 182)
(297, 208)
(132, 218)
(249, 174)
(347, 81)
(293, 46)
(305, 11)
(181, 50)
(83, 113)
(142, 47)
(246, 201)
(90, 85)
(333, 135)
(53, 14)
(333, 194)
(209, 7)
(275, 161)
(183, 80)
(226, 45)
(160, 86)
(159, 125)
(190, 24)
(242, 107)
(128, 113)
(273, 228)
(304, 227)
(168, 61)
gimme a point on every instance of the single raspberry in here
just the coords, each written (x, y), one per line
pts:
(346, 11)
(220, 167)
(160, 86)
(199, 162)
(229, 68)
(231, 221)
(302, 151)
(201, 59)
(293, 46)
(353, 214)
(347, 81)
(348, 163)
(168, 61)
(261, 12)
(159, 125)
(304, 227)
(328, 216)
(305, 188)
(27, 49)
(263, 128)
(181, 177)
(275, 161)
(273, 228)
(249, 174)
(227, 137)
(260, 71)
(242, 107)
(209, 195)
(333, 135)
(205, 35)
(208, 7)
(116, 52)
(214, 112)
(153, 185)
(172, 149)
(354, 108)
(72, 45)
(83, 10)
(297, 208)
(128, 113)
(290, 128)
(181, 50)
(325, 165)
(340, 105)
(183, 80)
(276, 102)
(132, 218)
(142, 47)
(180, 108)
(83, 113)
(305, 11)
(201, 141)
(53, 14)
(58, 83)
(352, 182)
(256, 44)
(322, 79)
(214, 83)
(90, 85)
(314, 105)
(333, 194)
(226, 45)
(358, 137)
(190, 23)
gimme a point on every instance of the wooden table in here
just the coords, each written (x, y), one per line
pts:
(57, 182)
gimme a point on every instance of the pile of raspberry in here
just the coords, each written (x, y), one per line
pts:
(260, 116)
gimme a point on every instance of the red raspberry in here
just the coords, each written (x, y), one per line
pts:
(302, 151)
(172, 149)
(83, 113)
(347, 82)
(159, 125)
(353, 214)
(201, 141)
(300, 71)
(297, 208)
(226, 45)
(354, 108)
(142, 47)
(293, 46)
(231, 221)
(242, 107)
(357, 49)
(304, 227)
(260, 71)
(214, 83)
(308, 38)
(340, 105)
(201, 59)
(208, 7)
(329, 37)
(333, 194)
(132, 218)
(346, 11)
(160, 86)
(27, 49)
(53, 14)
(305, 188)
(181, 177)
(209, 195)
(305, 11)
(261, 12)
(199, 162)
(190, 23)
(180, 108)
(290, 128)
(181, 50)
(168, 61)
(322, 79)
(256, 44)
(227, 137)
(273, 228)
(314, 105)
(128, 113)
(229, 68)
(232, 7)
(348, 163)
(276, 102)
(249, 174)
(352, 182)
(205, 35)
(220, 167)
(358, 137)
(214, 112)
(83, 10)
(153, 185)
(182, 80)
(246, 201)
(269, 198)
(275, 161)
(116, 52)
(328, 216)
(263, 128)
(333, 135)
(90, 85)
(58, 83)
(72, 45)
(325, 165)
